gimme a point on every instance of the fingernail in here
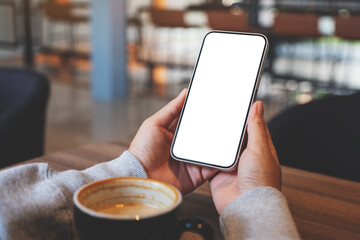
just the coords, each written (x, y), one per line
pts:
(182, 92)
(260, 108)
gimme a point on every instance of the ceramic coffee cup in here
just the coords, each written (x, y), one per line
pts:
(132, 208)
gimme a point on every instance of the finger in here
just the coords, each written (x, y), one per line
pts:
(173, 125)
(165, 116)
(271, 145)
(257, 136)
(208, 173)
(199, 174)
(213, 176)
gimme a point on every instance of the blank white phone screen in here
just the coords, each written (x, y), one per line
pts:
(212, 122)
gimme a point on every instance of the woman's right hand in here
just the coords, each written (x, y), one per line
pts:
(258, 164)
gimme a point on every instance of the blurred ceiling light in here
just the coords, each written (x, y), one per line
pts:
(196, 18)
(306, 87)
(291, 85)
(159, 4)
(344, 13)
(228, 3)
(236, 10)
(303, 98)
(62, 1)
(160, 75)
(326, 25)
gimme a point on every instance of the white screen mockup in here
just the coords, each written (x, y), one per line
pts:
(211, 125)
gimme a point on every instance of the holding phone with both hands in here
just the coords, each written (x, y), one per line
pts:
(212, 124)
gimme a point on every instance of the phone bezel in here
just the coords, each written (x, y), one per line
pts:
(253, 95)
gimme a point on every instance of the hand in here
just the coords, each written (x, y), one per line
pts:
(151, 146)
(258, 165)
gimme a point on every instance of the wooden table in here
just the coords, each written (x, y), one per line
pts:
(323, 207)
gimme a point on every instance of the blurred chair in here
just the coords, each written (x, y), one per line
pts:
(296, 25)
(322, 136)
(158, 46)
(165, 20)
(168, 18)
(63, 13)
(23, 99)
(290, 28)
(228, 21)
(347, 27)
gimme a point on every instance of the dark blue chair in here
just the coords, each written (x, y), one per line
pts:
(23, 100)
(322, 136)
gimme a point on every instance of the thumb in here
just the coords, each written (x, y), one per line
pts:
(165, 116)
(257, 136)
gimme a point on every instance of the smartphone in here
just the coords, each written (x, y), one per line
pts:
(212, 123)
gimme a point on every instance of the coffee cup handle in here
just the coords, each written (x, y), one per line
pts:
(197, 225)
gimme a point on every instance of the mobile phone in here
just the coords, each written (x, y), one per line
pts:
(212, 123)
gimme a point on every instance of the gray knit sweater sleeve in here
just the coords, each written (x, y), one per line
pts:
(260, 213)
(36, 202)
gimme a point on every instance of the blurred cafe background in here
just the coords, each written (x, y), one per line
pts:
(93, 70)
